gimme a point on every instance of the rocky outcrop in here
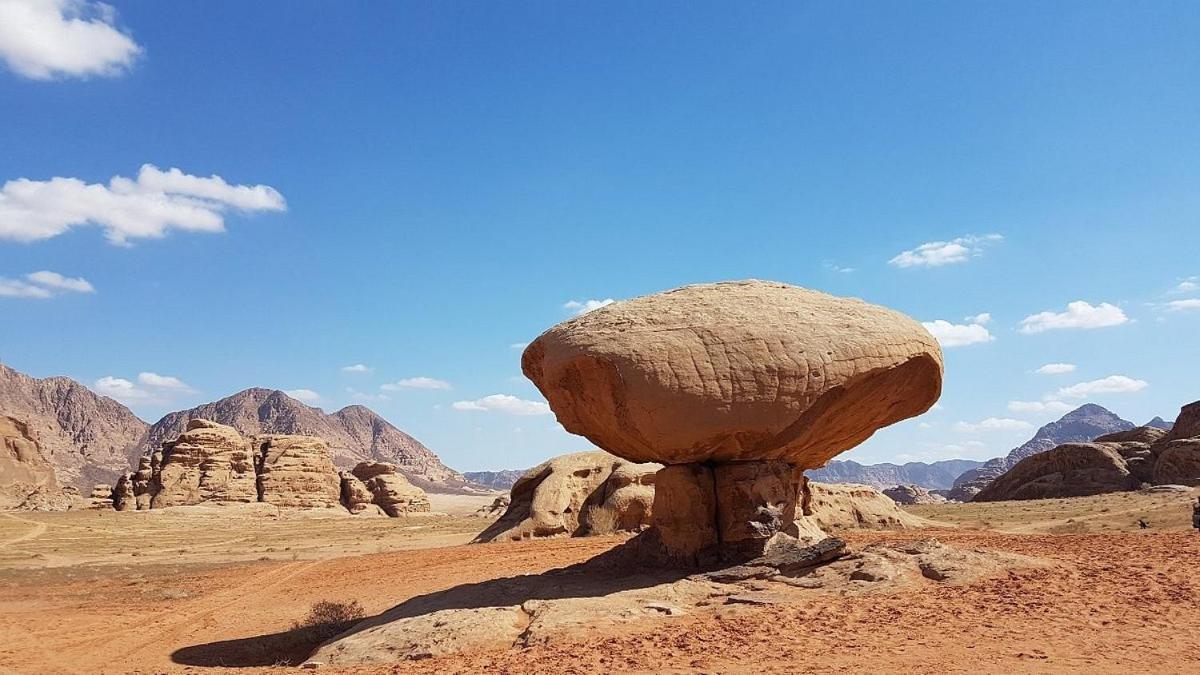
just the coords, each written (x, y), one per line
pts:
(577, 494)
(27, 480)
(1178, 462)
(494, 510)
(745, 384)
(354, 433)
(208, 462)
(735, 371)
(934, 476)
(912, 494)
(296, 471)
(388, 488)
(1070, 470)
(1081, 425)
(841, 506)
(1159, 423)
(85, 437)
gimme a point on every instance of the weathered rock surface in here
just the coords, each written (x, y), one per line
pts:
(1145, 434)
(85, 437)
(834, 506)
(1069, 470)
(912, 494)
(208, 462)
(576, 494)
(747, 370)
(27, 480)
(495, 509)
(1178, 462)
(389, 489)
(1160, 423)
(296, 471)
(354, 433)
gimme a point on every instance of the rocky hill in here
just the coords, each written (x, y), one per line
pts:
(496, 480)
(354, 433)
(934, 476)
(87, 438)
(1078, 426)
(1159, 423)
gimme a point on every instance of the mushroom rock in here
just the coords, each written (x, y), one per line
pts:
(719, 375)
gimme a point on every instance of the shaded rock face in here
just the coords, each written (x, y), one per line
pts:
(296, 471)
(27, 480)
(1070, 470)
(208, 462)
(1178, 462)
(1081, 425)
(577, 494)
(912, 494)
(389, 489)
(737, 371)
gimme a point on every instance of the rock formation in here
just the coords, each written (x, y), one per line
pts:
(912, 494)
(85, 437)
(27, 480)
(1125, 460)
(389, 490)
(208, 462)
(494, 510)
(296, 471)
(576, 494)
(840, 506)
(1081, 425)
(354, 433)
(737, 387)
(1159, 423)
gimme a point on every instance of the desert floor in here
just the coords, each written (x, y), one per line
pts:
(207, 590)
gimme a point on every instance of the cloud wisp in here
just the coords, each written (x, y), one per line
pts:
(1113, 384)
(43, 284)
(1056, 369)
(1079, 315)
(150, 389)
(960, 334)
(993, 424)
(504, 403)
(147, 207)
(304, 395)
(50, 39)
(941, 253)
(357, 368)
(420, 382)
(581, 307)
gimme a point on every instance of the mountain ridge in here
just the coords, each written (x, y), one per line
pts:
(939, 475)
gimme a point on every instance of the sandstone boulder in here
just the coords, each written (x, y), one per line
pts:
(494, 510)
(297, 471)
(1178, 462)
(1145, 435)
(101, 497)
(1069, 470)
(122, 494)
(209, 462)
(735, 371)
(841, 506)
(143, 482)
(27, 479)
(912, 494)
(389, 489)
(577, 494)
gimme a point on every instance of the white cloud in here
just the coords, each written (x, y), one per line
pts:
(1113, 384)
(164, 382)
(993, 424)
(148, 207)
(960, 335)
(979, 319)
(1079, 314)
(580, 308)
(1056, 369)
(518, 345)
(43, 284)
(1183, 305)
(121, 389)
(834, 267)
(1038, 407)
(1187, 285)
(45, 39)
(939, 253)
(303, 395)
(357, 368)
(416, 383)
(504, 403)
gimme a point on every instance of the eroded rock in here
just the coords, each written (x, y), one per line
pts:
(27, 480)
(209, 462)
(296, 471)
(390, 490)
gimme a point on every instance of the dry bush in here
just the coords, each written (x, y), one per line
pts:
(599, 520)
(326, 618)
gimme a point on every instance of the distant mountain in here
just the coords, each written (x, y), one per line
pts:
(355, 433)
(497, 480)
(1078, 426)
(1159, 423)
(935, 476)
(87, 438)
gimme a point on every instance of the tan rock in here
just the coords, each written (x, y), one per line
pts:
(355, 495)
(912, 494)
(1178, 463)
(685, 513)
(209, 462)
(1068, 470)
(27, 478)
(297, 471)
(840, 506)
(495, 509)
(122, 494)
(746, 370)
(755, 501)
(576, 494)
(143, 480)
(390, 490)
(1136, 435)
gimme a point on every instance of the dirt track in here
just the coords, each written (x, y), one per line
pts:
(1122, 602)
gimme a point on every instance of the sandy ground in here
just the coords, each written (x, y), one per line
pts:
(205, 593)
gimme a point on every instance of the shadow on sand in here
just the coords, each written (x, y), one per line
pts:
(619, 569)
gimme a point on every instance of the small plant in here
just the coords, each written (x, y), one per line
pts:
(327, 618)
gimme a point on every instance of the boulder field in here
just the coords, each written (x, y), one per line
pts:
(1122, 461)
(211, 463)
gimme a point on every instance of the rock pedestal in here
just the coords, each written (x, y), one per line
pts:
(725, 512)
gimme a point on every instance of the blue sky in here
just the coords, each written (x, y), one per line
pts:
(425, 185)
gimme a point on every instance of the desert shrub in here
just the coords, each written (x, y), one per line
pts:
(599, 520)
(326, 618)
